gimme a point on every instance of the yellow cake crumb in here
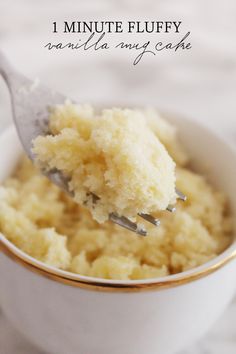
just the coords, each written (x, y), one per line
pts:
(113, 155)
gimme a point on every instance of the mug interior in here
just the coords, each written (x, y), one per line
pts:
(210, 155)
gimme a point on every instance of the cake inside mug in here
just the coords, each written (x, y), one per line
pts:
(133, 161)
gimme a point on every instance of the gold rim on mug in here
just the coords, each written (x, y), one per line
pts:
(90, 283)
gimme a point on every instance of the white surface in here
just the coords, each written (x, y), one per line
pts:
(201, 85)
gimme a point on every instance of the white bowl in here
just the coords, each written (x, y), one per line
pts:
(67, 313)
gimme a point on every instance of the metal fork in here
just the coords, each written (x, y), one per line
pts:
(30, 105)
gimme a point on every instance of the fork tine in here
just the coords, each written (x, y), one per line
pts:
(128, 224)
(171, 208)
(180, 195)
(132, 226)
(150, 219)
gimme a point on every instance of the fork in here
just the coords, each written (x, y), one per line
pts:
(30, 106)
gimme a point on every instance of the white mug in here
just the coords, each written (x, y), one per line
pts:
(65, 313)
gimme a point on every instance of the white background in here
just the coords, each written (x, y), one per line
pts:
(200, 83)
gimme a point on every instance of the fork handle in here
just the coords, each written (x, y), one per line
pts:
(12, 78)
(6, 70)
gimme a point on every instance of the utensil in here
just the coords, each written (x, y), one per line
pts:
(31, 101)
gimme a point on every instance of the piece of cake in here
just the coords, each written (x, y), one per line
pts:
(113, 155)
